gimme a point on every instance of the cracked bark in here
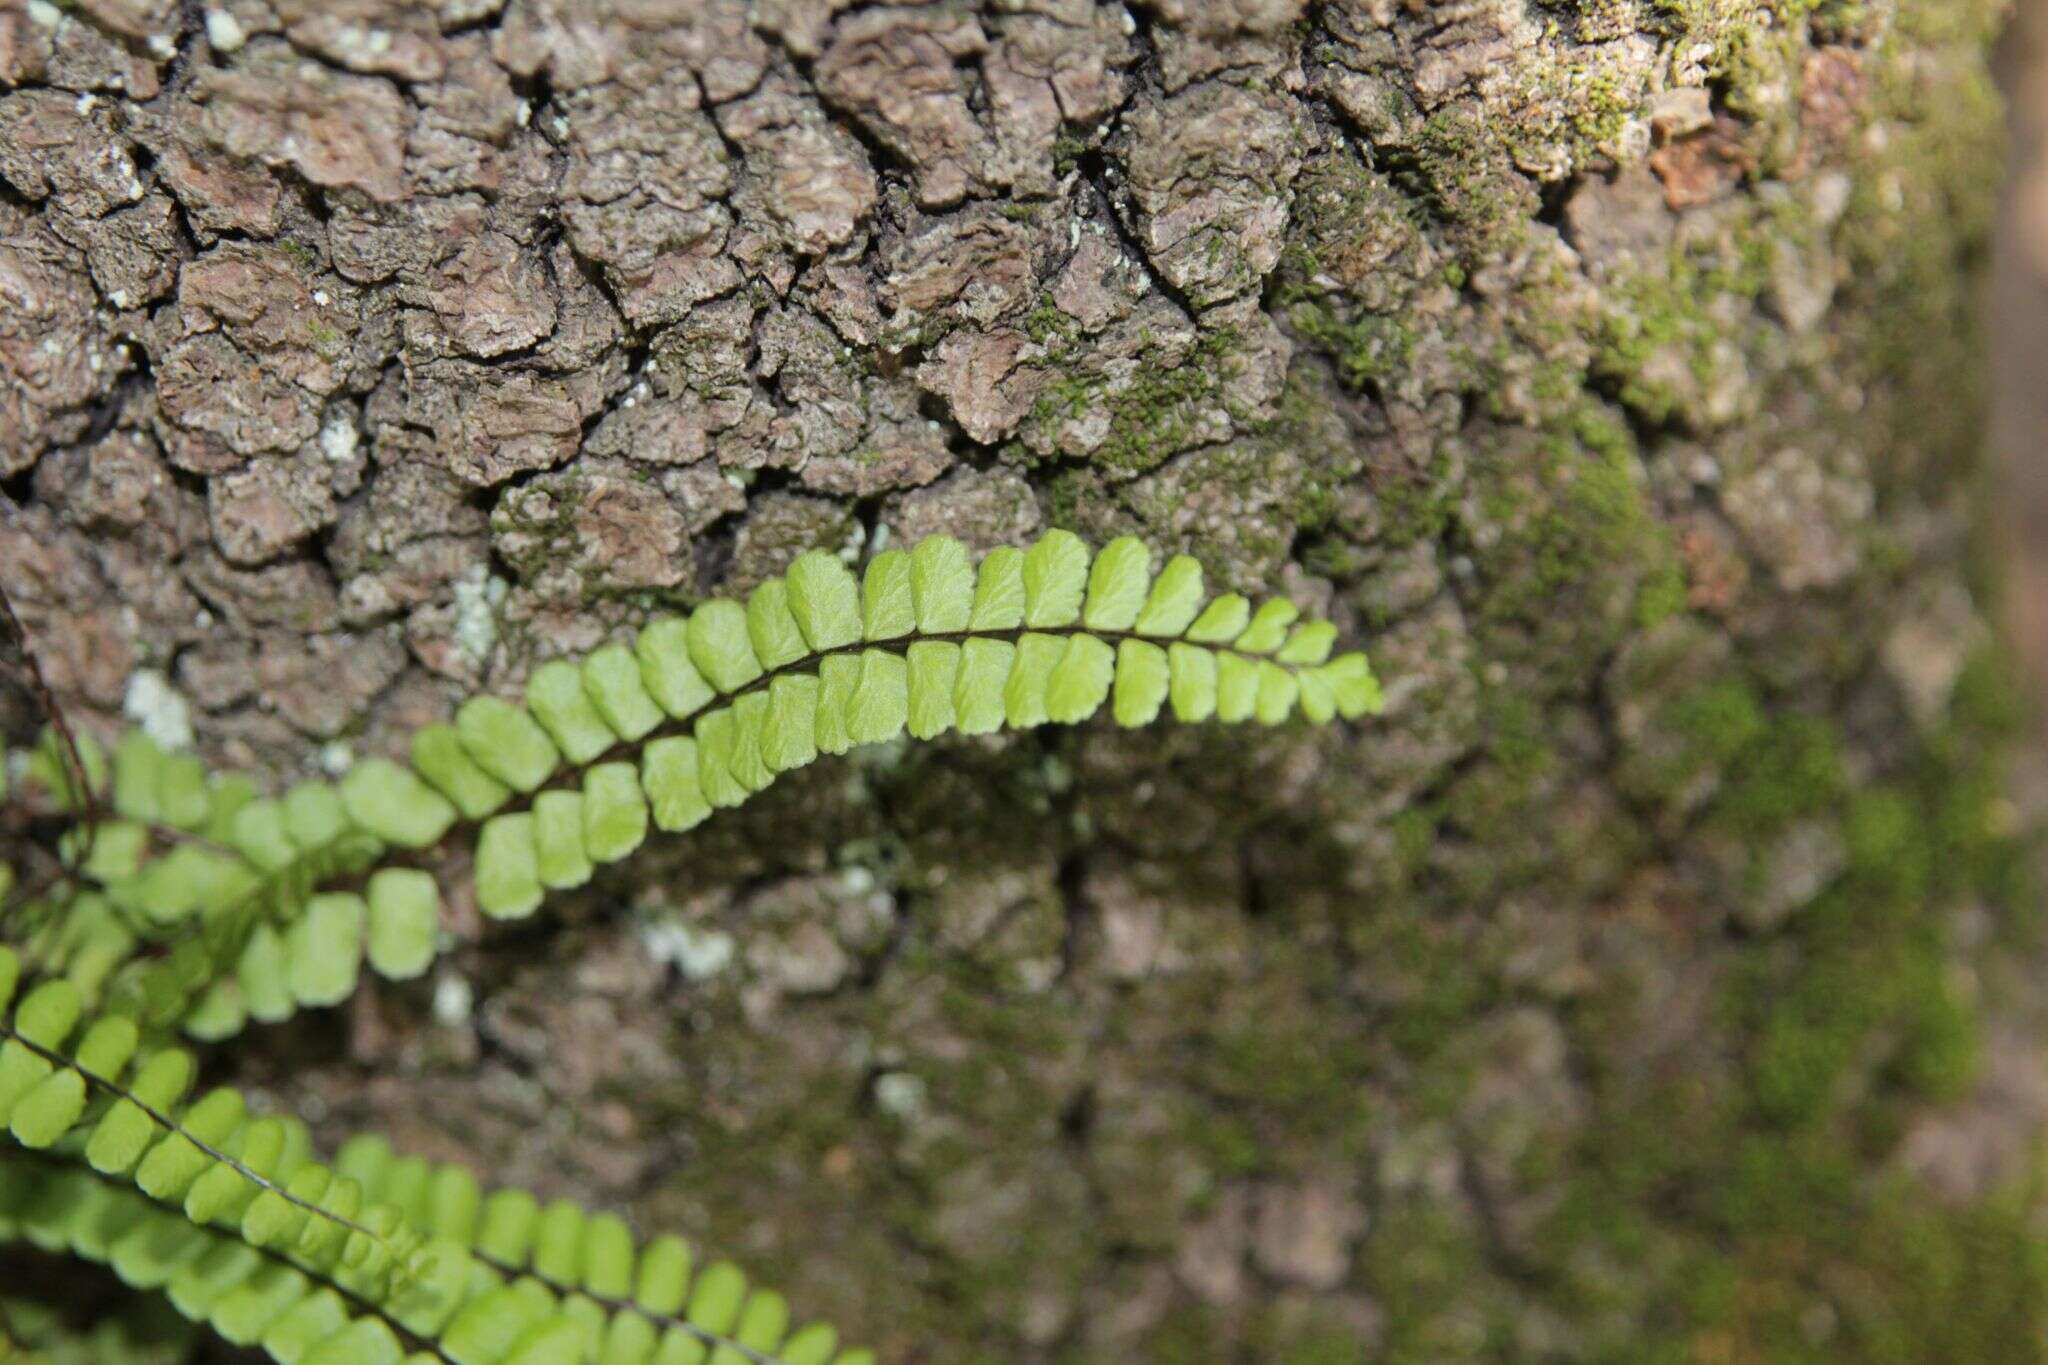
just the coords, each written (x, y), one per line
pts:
(1607, 373)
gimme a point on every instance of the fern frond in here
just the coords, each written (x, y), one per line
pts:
(817, 662)
(211, 1157)
(411, 1249)
(462, 1310)
(188, 900)
(692, 715)
(202, 863)
(647, 1291)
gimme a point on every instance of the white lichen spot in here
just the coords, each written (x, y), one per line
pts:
(338, 437)
(901, 1094)
(523, 115)
(44, 14)
(337, 756)
(878, 539)
(162, 45)
(477, 595)
(454, 999)
(699, 954)
(224, 31)
(86, 103)
(320, 297)
(158, 708)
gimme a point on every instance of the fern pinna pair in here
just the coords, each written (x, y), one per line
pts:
(187, 903)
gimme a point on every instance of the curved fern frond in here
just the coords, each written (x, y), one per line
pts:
(187, 900)
(700, 713)
(211, 1157)
(413, 1250)
(462, 1311)
(691, 715)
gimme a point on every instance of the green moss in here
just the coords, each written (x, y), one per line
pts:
(1301, 1334)
(1464, 168)
(1430, 1272)
(1367, 348)
(1770, 1214)
(1152, 416)
(1794, 767)
(1651, 318)
(1573, 539)
(1662, 594)
(1047, 325)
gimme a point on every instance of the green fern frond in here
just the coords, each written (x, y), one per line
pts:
(694, 714)
(188, 901)
(413, 1250)
(701, 713)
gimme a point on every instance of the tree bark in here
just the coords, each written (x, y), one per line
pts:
(1649, 982)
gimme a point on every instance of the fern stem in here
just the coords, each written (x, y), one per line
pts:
(361, 1306)
(172, 1126)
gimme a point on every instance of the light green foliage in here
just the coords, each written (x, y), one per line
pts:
(825, 600)
(886, 610)
(942, 585)
(772, 628)
(1055, 573)
(666, 670)
(720, 646)
(668, 774)
(934, 668)
(404, 915)
(797, 691)
(1141, 682)
(438, 756)
(555, 696)
(507, 868)
(559, 855)
(611, 677)
(1117, 585)
(1268, 628)
(1222, 620)
(1176, 597)
(506, 742)
(394, 804)
(978, 688)
(284, 900)
(614, 812)
(1080, 680)
(324, 948)
(999, 591)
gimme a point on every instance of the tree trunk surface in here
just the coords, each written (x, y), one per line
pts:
(1654, 981)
